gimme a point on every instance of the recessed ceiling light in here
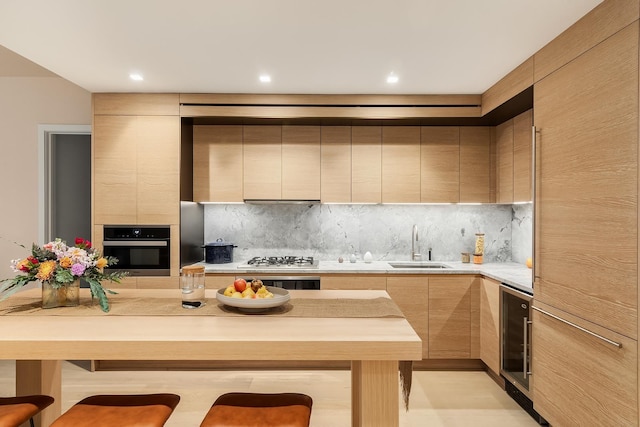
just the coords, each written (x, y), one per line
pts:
(137, 77)
(265, 78)
(392, 78)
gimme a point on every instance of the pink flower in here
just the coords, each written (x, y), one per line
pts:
(77, 269)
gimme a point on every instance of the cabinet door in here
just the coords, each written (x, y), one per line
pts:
(587, 188)
(475, 164)
(401, 164)
(411, 294)
(450, 326)
(158, 154)
(335, 164)
(522, 156)
(579, 379)
(366, 160)
(440, 164)
(262, 162)
(115, 170)
(350, 281)
(490, 324)
(301, 162)
(217, 163)
(504, 159)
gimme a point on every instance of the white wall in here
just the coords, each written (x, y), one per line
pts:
(25, 103)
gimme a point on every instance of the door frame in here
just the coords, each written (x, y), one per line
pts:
(44, 157)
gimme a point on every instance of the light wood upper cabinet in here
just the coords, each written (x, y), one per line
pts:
(401, 164)
(475, 164)
(504, 160)
(158, 154)
(522, 175)
(452, 323)
(262, 162)
(136, 169)
(217, 163)
(411, 294)
(335, 164)
(301, 162)
(115, 170)
(366, 164)
(440, 164)
(587, 191)
(490, 324)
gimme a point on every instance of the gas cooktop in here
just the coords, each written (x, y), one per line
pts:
(281, 262)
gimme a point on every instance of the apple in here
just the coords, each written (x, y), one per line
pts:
(240, 285)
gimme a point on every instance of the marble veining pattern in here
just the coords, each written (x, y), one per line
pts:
(522, 232)
(328, 231)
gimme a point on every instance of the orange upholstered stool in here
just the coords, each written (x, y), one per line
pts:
(259, 410)
(17, 410)
(129, 410)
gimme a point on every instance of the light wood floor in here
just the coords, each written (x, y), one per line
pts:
(438, 399)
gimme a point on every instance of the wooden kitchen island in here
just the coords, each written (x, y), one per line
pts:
(39, 341)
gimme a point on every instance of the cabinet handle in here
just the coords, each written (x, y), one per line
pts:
(526, 347)
(617, 344)
(534, 132)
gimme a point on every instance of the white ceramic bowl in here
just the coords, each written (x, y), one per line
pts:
(280, 296)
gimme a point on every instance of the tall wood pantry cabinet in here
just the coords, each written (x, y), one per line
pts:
(586, 224)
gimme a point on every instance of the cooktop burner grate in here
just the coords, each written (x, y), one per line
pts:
(283, 261)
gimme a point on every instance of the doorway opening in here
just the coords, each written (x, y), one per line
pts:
(65, 184)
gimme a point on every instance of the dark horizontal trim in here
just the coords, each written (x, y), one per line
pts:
(335, 105)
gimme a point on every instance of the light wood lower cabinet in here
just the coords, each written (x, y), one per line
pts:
(454, 317)
(350, 281)
(579, 379)
(490, 324)
(218, 281)
(411, 294)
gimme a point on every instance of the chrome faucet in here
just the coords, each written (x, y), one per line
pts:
(414, 239)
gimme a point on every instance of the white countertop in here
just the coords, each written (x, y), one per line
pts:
(516, 275)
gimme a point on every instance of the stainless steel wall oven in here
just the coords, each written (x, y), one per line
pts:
(142, 250)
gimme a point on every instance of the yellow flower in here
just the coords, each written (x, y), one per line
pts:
(46, 270)
(65, 262)
(101, 263)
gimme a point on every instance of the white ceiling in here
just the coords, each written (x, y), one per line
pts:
(322, 46)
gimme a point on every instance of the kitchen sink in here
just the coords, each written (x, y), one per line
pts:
(417, 264)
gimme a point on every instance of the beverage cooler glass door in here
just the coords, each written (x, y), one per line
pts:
(516, 337)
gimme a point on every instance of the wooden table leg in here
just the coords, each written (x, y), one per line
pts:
(41, 377)
(374, 393)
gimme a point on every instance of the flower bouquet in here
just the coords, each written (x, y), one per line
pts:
(58, 265)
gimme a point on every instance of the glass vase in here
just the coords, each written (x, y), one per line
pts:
(67, 295)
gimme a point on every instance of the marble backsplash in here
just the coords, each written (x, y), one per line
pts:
(328, 231)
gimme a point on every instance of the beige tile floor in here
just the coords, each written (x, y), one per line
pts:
(438, 399)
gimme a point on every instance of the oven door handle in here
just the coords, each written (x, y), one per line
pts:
(138, 243)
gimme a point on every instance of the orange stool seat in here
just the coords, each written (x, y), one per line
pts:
(128, 410)
(259, 410)
(17, 410)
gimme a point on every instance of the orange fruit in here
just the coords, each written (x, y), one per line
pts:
(529, 262)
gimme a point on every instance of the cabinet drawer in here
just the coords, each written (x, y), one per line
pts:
(580, 379)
